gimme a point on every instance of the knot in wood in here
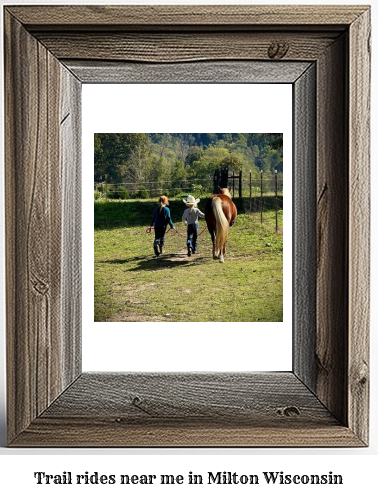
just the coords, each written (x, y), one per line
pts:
(41, 287)
(288, 411)
(278, 50)
(140, 404)
(136, 400)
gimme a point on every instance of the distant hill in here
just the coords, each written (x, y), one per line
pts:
(174, 158)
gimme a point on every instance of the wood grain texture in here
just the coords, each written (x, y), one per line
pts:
(359, 226)
(304, 240)
(100, 432)
(34, 237)
(250, 397)
(200, 72)
(331, 351)
(70, 146)
(197, 409)
(33, 194)
(180, 47)
(184, 16)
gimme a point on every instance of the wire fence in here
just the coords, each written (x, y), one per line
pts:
(152, 189)
(252, 192)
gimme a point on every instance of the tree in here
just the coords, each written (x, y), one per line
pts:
(170, 158)
(232, 162)
(111, 152)
(194, 154)
(137, 166)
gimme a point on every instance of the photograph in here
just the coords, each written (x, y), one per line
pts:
(168, 207)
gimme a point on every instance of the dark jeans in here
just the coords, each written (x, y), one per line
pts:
(159, 238)
(192, 236)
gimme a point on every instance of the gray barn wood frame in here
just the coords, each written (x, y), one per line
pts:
(324, 52)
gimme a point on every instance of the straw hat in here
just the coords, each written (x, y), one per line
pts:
(191, 200)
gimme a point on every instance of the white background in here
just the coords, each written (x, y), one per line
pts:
(357, 465)
(168, 108)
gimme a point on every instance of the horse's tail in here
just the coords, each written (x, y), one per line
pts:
(222, 227)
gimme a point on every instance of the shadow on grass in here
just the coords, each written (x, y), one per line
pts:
(148, 263)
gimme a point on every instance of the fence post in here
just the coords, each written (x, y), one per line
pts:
(261, 196)
(106, 186)
(233, 183)
(240, 185)
(250, 191)
(275, 192)
(223, 180)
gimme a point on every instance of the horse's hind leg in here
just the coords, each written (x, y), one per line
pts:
(212, 234)
(222, 253)
(215, 255)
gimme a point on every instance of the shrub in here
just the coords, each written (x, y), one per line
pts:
(142, 193)
(97, 195)
(174, 192)
(120, 193)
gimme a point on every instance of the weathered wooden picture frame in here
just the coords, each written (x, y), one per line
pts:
(323, 52)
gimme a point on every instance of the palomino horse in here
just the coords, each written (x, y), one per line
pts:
(220, 214)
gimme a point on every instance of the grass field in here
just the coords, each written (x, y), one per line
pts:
(132, 285)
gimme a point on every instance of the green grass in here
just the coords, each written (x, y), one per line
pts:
(132, 285)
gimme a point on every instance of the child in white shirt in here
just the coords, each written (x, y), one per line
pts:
(190, 217)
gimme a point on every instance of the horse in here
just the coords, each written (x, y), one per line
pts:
(220, 215)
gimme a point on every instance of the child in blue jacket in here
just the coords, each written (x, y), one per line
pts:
(160, 221)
